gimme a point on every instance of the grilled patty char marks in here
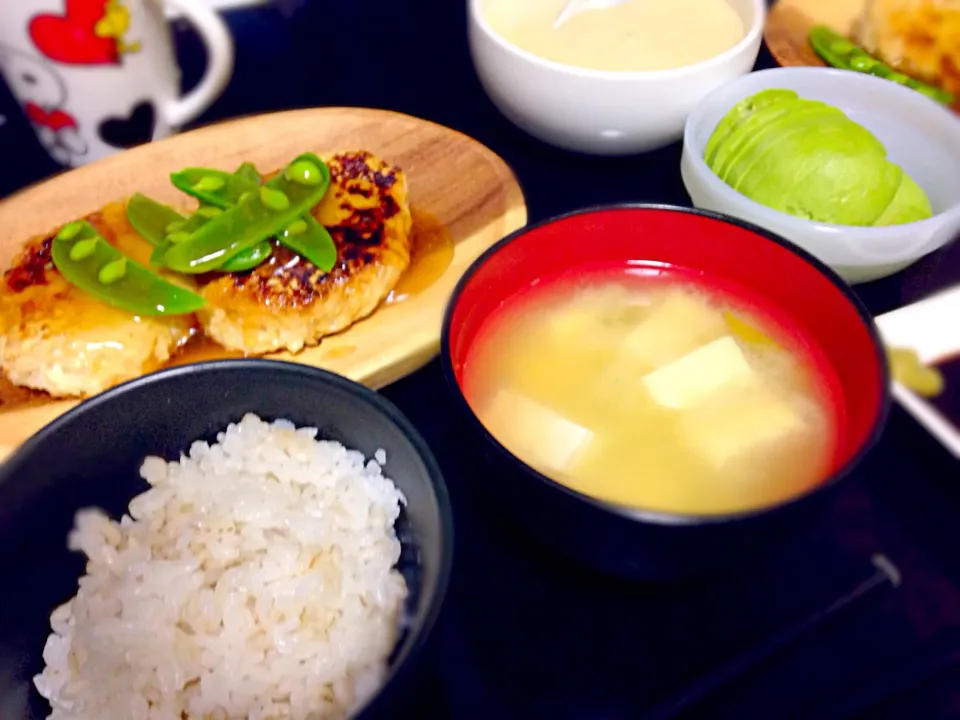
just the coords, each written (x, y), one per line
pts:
(918, 37)
(287, 303)
(56, 338)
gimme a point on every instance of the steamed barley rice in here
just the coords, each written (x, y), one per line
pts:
(254, 579)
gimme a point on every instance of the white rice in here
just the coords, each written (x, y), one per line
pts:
(253, 580)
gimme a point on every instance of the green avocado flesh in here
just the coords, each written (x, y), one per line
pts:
(746, 132)
(773, 133)
(742, 111)
(808, 159)
(909, 204)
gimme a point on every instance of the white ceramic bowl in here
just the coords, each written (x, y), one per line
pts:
(920, 136)
(600, 112)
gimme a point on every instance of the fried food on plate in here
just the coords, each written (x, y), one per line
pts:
(55, 337)
(280, 262)
(918, 37)
(287, 303)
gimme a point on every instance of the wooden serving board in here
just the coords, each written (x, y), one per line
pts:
(789, 22)
(453, 180)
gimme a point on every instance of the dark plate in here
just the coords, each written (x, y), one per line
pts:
(91, 457)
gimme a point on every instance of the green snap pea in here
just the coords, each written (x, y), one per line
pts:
(179, 237)
(304, 172)
(248, 173)
(212, 187)
(82, 249)
(247, 179)
(150, 218)
(191, 224)
(274, 199)
(111, 277)
(255, 256)
(209, 183)
(862, 63)
(251, 177)
(247, 223)
(156, 257)
(297, 227)
(70, 231)
(837, 51)
(931, 92)
(842, 47)
(309, 239)
(112, 271)
(248, 259)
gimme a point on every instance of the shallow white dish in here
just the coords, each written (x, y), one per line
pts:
(600, 112)
(920, 136)
(930, 328)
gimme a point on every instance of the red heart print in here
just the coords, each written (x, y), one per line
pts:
(70, 38)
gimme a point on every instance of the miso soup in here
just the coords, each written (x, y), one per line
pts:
(649, 389)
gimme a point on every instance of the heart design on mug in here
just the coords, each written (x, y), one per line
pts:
(130, 131)
(72, 37)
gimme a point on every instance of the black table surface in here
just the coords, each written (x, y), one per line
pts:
(524, 634)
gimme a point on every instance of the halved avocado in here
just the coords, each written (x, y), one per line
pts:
(749, 129)
(831, 174)
(738, 114)
(910, 204)
(773, 133)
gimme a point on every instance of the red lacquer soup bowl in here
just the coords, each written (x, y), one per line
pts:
(781, 279)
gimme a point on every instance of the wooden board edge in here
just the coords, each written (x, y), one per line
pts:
(414, 358)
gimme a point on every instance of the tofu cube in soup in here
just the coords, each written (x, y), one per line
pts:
(653, 392)
(697, 375)
(540, 436)
(748, 431)
(680, 323)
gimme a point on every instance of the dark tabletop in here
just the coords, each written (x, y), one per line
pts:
(819, 633)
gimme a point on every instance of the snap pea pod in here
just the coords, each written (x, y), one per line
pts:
(150, 218)
(305, 236)
(309, 239)
(93, 265)
(248, 259)
(242, 262)
(837, 51)
(256, 217)
(214, 187)
(248, 173)
(183, 232)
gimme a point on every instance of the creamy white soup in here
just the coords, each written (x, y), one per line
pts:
(638, 35)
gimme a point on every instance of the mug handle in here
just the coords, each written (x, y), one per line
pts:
(219, 48)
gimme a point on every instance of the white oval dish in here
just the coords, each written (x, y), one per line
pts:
(927, 327)
(920, 136)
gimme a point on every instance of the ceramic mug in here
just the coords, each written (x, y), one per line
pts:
(98, 76)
